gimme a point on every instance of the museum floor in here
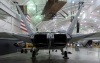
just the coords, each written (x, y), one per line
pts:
(90, 55)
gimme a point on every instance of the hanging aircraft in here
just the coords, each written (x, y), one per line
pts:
(49, 40)
(51, 8)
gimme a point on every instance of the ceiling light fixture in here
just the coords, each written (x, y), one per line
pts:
(92, 1)
(98, 11)
(47, 30)
(68, 11)
(81, 13)
(84, 21)
(81, 24)
(90, 17)
(73, 2)
(95, 21)
(85, 26)
(84, 16)
(81, 28)
(78, 17)
(62, 27)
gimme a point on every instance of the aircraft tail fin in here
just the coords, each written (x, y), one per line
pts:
(24, 20)
(74, 22)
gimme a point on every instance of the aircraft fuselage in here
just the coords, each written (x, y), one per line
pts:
(50, 40)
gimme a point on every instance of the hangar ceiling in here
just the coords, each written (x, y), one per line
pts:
(89, 18)
(3, 14)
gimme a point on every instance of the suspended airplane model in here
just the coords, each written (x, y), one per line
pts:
(49, 40)
(51, 8)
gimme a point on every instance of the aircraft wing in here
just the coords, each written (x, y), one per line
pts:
(95, 38)
(92, 36)
(21, 37)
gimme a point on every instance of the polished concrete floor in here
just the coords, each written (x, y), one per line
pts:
(90, 55)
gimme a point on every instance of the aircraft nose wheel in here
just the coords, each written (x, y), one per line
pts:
(65, 55)
(26, 51)
(31, 50)
(22, 50)
(33, 54)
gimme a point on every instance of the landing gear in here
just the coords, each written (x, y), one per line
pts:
(22, 50)
(49, 52)
(55, 50)
(33, 54)
(65, 55)
(62, 51)
(26, 51)
(31, 50)
(52, 50)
